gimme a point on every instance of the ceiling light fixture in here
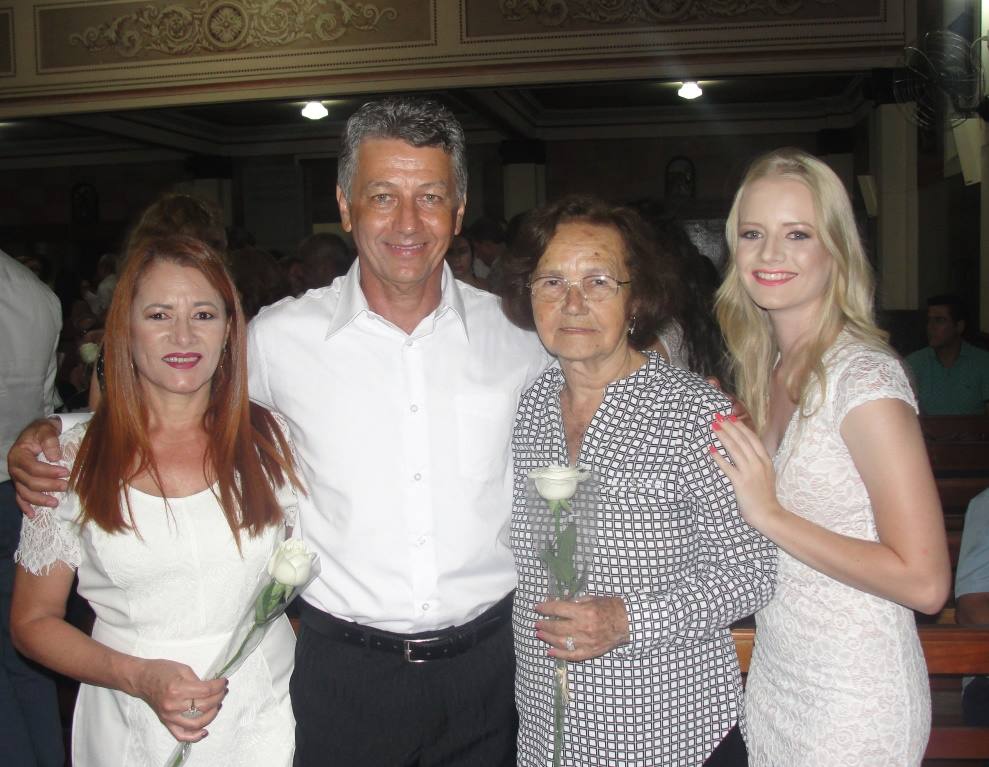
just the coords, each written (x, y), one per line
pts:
(314, 111)
(689, 90)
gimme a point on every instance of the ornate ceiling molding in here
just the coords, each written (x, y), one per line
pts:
(558, 12)
(92, 55)
(230, 25)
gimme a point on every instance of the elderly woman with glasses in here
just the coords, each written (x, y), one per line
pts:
(652, 671)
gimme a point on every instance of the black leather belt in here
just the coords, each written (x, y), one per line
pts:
(415, 648)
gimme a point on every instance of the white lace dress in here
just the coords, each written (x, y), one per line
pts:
(174, 591)
(837, 675)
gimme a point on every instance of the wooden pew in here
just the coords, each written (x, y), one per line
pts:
(966, 458)
(954, 536)
(956, 492)
(951, 651)
(955, 428)
(958, 448)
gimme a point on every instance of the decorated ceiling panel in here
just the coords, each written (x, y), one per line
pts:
(514, 17)
(129, 33)
(79, 55)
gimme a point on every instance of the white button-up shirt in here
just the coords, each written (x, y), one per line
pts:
(30, 321)
(404, 441)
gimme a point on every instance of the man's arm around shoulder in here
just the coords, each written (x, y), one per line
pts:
(34, 480)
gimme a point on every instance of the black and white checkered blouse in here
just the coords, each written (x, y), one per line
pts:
(671, 543)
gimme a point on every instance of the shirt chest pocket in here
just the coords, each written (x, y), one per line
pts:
(651, 500)
(484, 432)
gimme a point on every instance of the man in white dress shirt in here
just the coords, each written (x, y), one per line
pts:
(400, 387)
(30, 730)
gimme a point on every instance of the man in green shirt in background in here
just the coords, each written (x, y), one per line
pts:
(951, 376)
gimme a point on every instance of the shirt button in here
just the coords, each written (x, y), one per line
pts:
(425, 606)
(422, 540)
(417, 476)
(414, 408)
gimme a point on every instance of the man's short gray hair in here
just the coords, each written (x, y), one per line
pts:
(416, 121)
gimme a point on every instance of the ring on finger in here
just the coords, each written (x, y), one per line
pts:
(193, 711)
(570, 644)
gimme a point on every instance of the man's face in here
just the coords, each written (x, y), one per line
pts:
(403, 211)
(942, 330)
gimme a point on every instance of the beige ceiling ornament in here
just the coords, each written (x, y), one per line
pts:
(556, 12)
(228, 25)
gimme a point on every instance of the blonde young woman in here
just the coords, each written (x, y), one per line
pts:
(835, 473)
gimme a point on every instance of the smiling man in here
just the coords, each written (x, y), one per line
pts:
(400, 385)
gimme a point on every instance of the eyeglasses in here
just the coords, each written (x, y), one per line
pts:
(593, 287)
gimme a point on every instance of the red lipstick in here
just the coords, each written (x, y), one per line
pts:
(182, 360)
(772, 278)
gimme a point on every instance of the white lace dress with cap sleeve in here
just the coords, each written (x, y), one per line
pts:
(173, 590)
(837, 675)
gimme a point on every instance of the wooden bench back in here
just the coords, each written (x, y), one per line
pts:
(955, 428)
(956, 492)
(958, 448)
(962, 458)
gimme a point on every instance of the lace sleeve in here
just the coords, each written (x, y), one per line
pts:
(54, 534)
(866, 375)
(46, 539)
(287, 494)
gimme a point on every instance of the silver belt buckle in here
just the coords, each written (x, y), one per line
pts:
(408, 644)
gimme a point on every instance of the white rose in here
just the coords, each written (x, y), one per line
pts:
(557, 483)
(291, 563)
(88, 352)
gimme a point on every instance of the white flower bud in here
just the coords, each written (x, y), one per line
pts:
(291, 563)
(557, 483)
(88, 352)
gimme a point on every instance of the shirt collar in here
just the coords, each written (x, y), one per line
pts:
(642, 374)
(353, 302)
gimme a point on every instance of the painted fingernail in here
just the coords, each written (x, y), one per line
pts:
(712, 449)
(733, 418)
(718, 417)
(716, 426)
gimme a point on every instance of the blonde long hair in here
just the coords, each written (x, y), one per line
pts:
(848, 303)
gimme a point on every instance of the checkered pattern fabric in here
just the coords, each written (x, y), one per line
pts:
(671, 543)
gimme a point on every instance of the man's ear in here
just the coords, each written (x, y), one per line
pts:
(344, 209)
(460, 215)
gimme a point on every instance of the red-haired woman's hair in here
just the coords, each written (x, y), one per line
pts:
(246, 451)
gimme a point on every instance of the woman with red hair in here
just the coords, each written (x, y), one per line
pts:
(180, 489)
